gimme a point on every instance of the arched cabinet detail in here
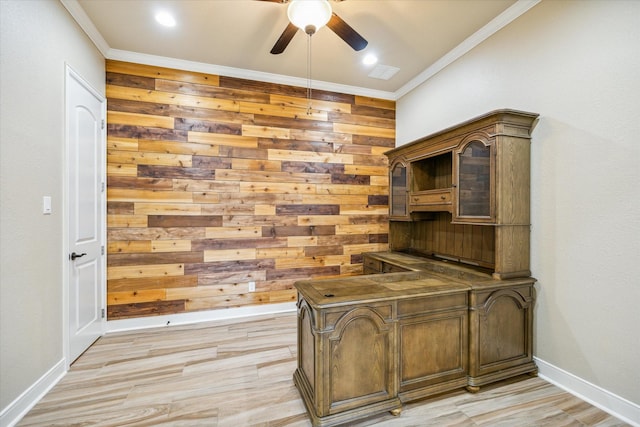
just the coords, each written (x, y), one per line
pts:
(474, 182)
(360, 360)
(399, 192)
(352, 353)
(501, 332)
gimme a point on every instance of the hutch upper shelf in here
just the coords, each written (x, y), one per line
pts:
(456, 170)
(475, 173)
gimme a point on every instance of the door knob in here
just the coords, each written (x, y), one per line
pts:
(74, 255)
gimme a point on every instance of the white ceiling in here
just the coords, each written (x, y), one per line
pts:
(234, 37)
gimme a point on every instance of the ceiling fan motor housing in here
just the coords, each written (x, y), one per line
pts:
(310, 16)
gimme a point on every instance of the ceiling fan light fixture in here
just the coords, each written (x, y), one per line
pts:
(309, 15)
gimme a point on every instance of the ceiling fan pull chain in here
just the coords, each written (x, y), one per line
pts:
(309, 75)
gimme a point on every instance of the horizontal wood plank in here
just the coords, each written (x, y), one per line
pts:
(232, 140)
(375, 102)
(126, 220)
(313, 157)
(137, 158)
(219, 232)
(161, 73)
(231, 277)
(130, 246)
(316, 104)
(143, 195)
(155, 308)
(229, 254)
(137, 296)
(167, 209)
(144, 283)
(140, 120)
(173, 147)
(122, 144)
(210, 91)
(184, 221)
(139, 271)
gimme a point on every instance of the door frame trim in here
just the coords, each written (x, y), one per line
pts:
(70, 73)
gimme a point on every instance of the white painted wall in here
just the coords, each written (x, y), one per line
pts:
(577, 64)
(37, 38)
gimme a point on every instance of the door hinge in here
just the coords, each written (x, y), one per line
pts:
(102, 186)
(102, 124)
(102, 250)
(102, 313)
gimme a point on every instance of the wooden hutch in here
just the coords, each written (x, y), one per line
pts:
(456, 309)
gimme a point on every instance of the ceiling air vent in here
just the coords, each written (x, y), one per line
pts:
(383, 72)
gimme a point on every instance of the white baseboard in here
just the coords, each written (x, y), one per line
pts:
(617, 406)
(197, 316)
(28, 399)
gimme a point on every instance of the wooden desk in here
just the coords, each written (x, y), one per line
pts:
(367, 344)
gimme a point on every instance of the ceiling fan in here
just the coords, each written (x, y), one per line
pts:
(309, 16)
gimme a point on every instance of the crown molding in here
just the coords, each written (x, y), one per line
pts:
(79, 15)
(496, 24)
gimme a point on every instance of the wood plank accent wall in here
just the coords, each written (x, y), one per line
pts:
(214, 182)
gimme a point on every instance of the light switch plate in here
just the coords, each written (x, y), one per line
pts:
(46, 205)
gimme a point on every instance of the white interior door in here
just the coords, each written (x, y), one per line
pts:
(85, 112)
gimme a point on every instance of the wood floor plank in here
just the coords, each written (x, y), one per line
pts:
(238, 372)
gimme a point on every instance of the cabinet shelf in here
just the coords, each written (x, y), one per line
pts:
(431, 173)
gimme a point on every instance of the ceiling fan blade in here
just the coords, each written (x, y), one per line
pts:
(346, 33)
(284, 39)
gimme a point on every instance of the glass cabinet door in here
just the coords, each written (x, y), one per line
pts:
(398, 202)
(474, 186)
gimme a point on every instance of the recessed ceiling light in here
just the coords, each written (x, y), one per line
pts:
(166, 19)
(369, 59)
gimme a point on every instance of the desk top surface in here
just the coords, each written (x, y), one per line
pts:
(428, 278)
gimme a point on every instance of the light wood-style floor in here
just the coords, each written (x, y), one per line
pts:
(238, 373)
